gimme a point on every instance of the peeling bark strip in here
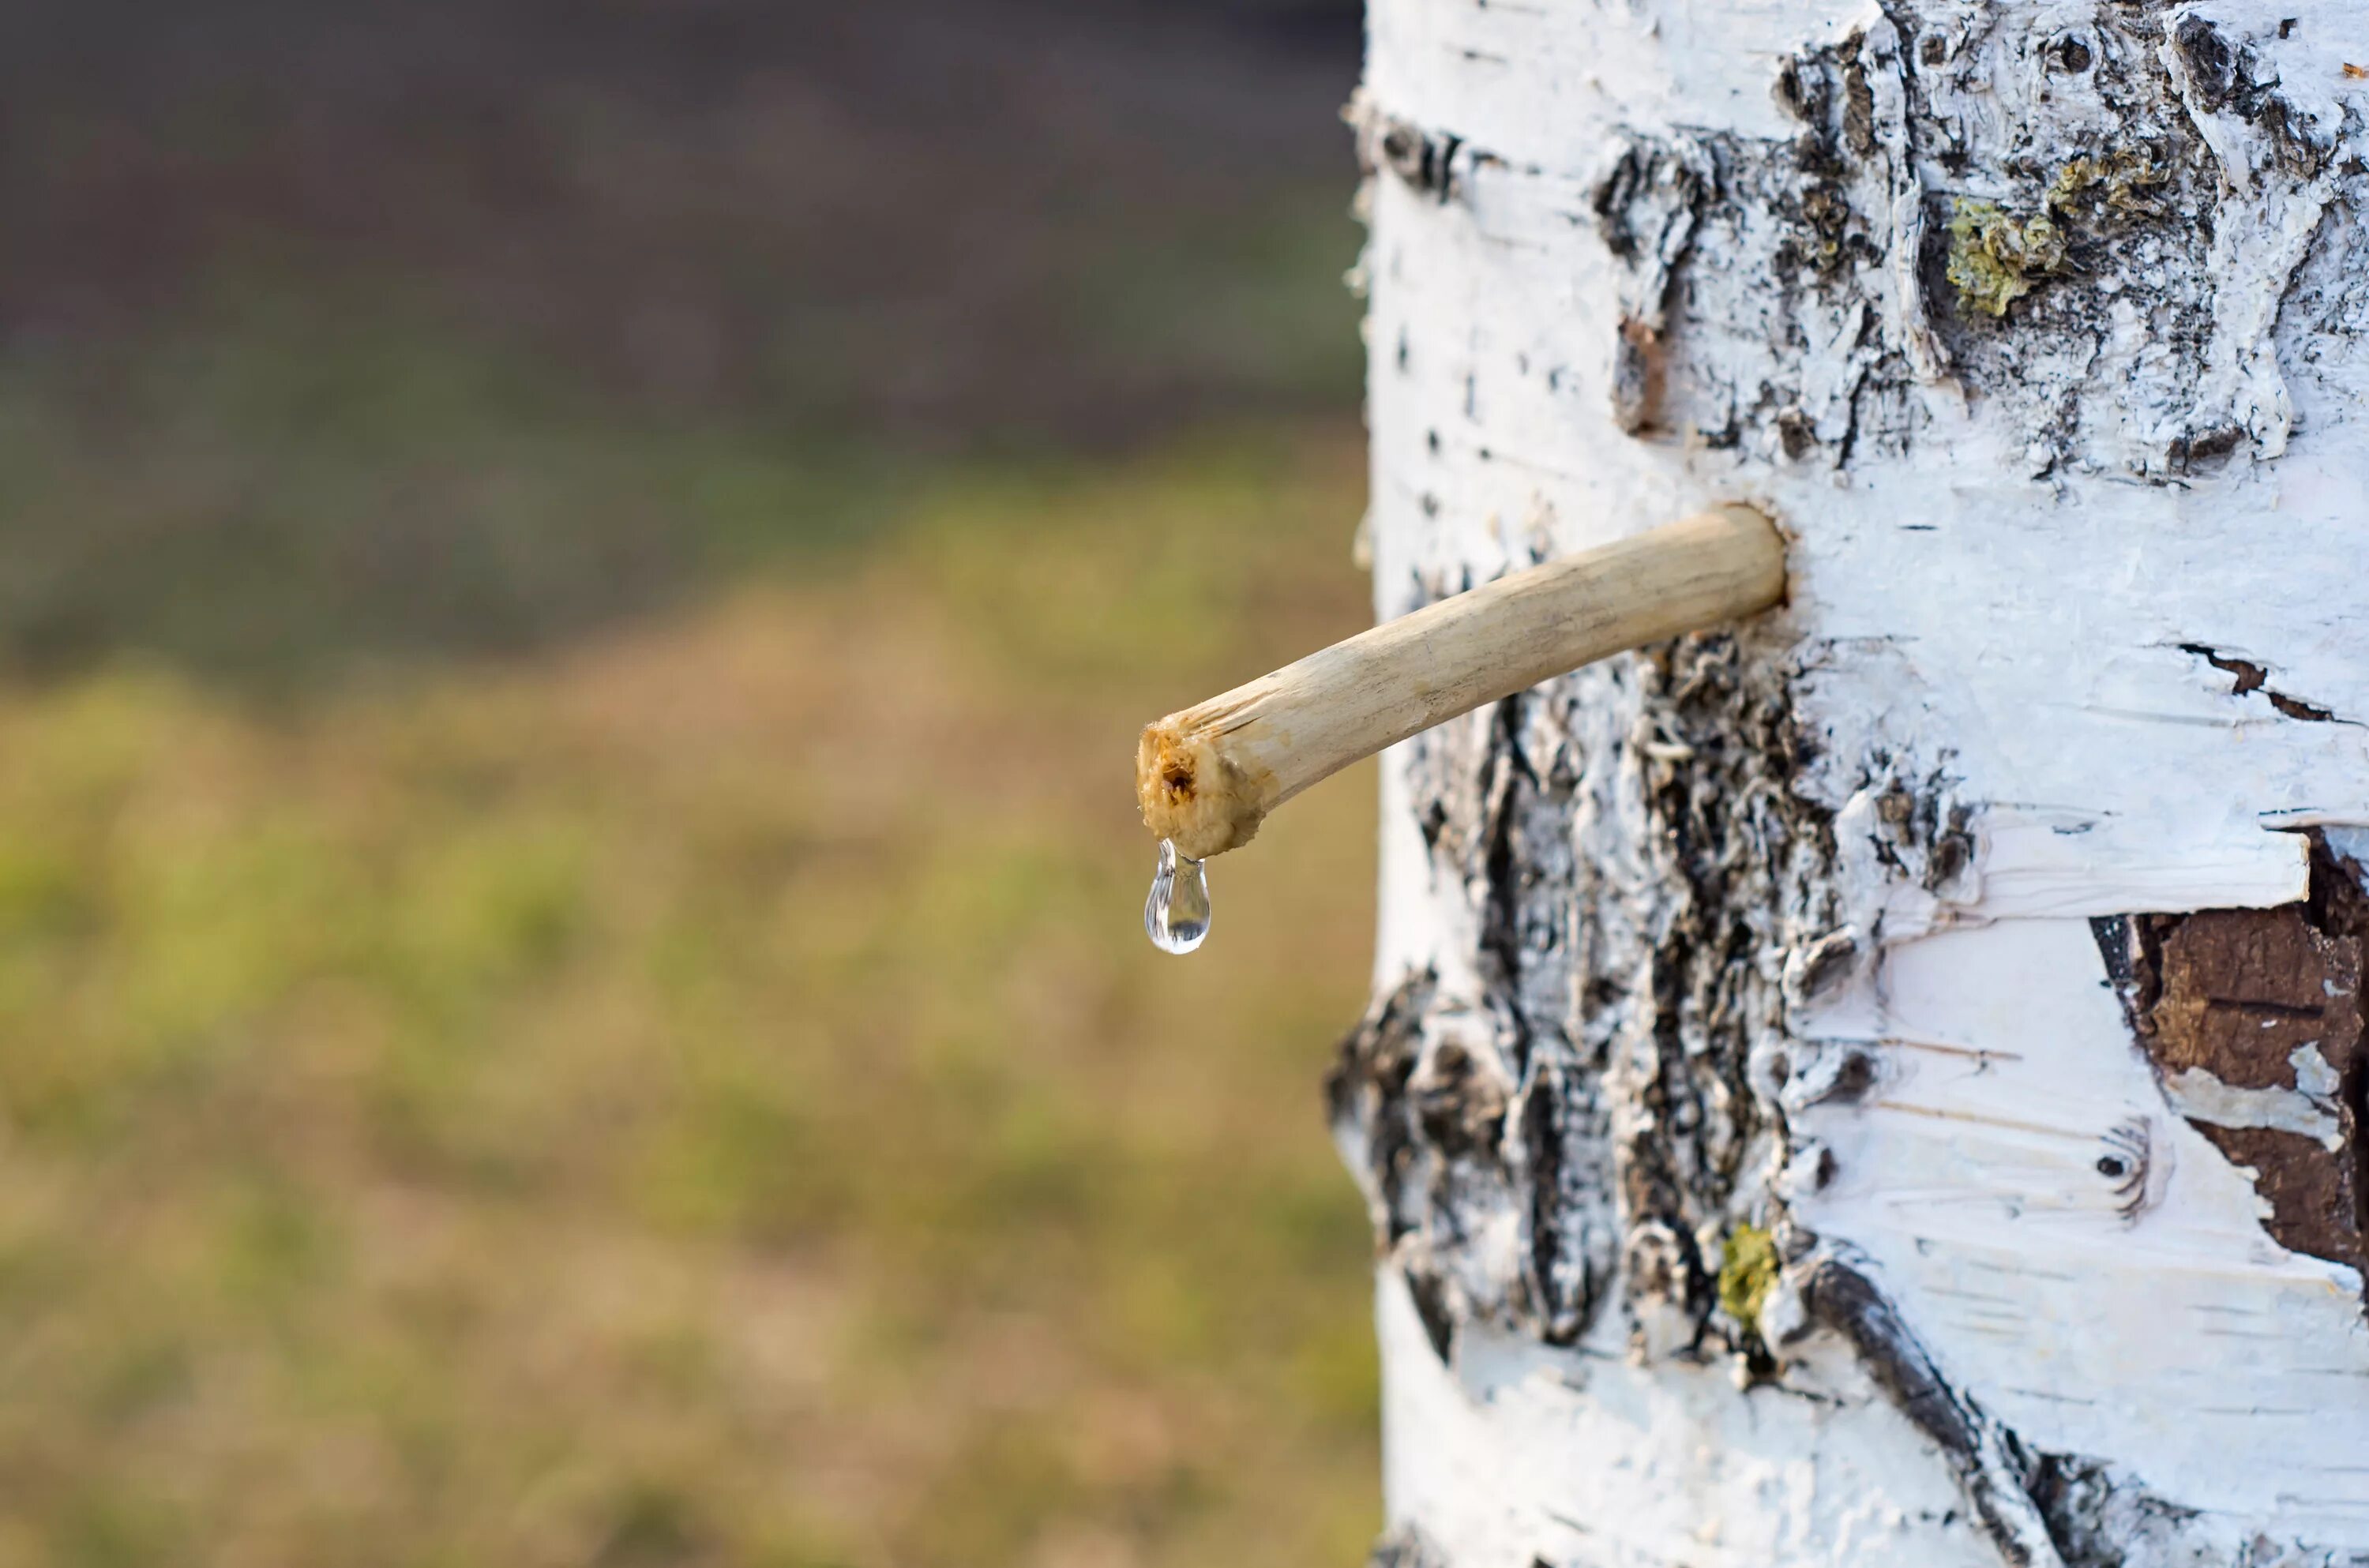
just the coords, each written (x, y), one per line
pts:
(2040, 328)
(2254, 1020)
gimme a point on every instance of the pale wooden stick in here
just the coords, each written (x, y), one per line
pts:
(1207, 776)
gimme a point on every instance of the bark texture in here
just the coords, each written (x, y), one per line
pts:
(1884, 1085)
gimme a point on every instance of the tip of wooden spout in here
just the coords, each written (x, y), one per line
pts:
(1207, 776)
(1191, 794)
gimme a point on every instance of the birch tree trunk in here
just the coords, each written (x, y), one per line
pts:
(1880, 1088)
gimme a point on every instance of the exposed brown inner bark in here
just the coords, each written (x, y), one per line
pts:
(2243, 995)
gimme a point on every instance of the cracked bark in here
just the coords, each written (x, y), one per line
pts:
(1976, 943)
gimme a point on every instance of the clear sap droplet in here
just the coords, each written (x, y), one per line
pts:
(1176, 915)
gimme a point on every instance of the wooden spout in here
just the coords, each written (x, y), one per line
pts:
(1207, 777)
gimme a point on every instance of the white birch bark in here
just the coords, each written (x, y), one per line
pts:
(1880, 931)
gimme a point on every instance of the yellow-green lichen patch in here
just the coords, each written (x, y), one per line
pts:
(1748, 1270)
(2118, 181)
(1995, 256)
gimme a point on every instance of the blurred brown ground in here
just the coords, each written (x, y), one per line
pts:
(578, 583)
(270, 262)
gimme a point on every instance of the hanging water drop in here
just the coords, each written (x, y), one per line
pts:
(1176, 915)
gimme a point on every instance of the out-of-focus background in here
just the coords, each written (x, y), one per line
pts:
(577, 581)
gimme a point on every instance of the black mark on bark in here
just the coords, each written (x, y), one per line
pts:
(1646, 212)
(1433, 1304)
(2253, 678)
(2100, 1521)
(1991, 1464)
(1406, 1547)
(2212, 64)
(1431, 162)
(1366, 1092)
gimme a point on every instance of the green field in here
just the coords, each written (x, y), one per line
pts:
(688, 1086)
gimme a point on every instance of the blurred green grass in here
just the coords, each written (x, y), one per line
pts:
(569, 964)
(691, 1091)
